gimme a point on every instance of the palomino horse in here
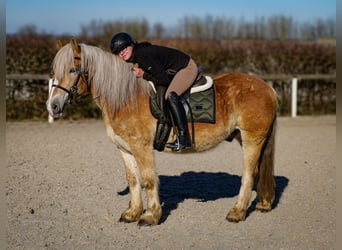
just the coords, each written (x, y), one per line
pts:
(245, 109)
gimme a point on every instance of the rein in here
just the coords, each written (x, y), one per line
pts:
(73, 90)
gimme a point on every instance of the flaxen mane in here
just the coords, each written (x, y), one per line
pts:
(114, 81)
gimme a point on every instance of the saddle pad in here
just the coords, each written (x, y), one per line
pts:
(202, 106)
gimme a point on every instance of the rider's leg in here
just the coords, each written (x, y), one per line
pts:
(181, 82)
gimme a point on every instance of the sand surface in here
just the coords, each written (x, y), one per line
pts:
(66, 189)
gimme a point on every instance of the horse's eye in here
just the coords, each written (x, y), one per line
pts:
(72, 70)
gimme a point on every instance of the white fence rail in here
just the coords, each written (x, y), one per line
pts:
(294, 79)
(294, 84)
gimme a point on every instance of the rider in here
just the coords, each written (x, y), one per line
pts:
(172, 72)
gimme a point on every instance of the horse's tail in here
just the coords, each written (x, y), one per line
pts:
(265, 176)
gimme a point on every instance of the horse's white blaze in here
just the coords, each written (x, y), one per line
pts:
(48, 103)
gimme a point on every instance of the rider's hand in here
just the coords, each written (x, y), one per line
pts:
(138, 72)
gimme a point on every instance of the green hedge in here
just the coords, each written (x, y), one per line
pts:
(26, 54)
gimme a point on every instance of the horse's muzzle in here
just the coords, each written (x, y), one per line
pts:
(55, 105)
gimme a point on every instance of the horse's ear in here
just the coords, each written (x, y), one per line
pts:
(60, 44)
(75, 47)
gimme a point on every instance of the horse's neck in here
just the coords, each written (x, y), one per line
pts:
(139, 103)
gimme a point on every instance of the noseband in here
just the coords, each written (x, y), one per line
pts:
(73, 90)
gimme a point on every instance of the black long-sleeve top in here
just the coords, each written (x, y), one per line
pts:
(159, 63)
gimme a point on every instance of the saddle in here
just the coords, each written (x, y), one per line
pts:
(199, 105)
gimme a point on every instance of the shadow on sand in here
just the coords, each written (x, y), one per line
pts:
(204, 186)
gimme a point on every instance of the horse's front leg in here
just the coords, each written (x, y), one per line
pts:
(140, 172)
(150, 181)
(135, 208)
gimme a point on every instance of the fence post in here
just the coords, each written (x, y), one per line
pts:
(50, 118)
(294, 97)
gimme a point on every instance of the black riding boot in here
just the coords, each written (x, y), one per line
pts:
(164, 124)
(179, 117)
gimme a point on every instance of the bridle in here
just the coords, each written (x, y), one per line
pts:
(73, 90)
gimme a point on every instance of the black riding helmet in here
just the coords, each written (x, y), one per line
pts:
(120, 41)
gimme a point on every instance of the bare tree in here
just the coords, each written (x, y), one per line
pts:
(209, 27)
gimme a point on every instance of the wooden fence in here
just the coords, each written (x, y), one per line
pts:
(291, 79)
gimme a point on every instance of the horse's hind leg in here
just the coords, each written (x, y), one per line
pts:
(265, 177)
(251, 151)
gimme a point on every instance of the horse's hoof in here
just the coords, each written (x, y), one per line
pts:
(263, 207)
(147, 219)
(122, 219)
(236, 216)
(130, 216)
(232, 219)
(127, 219)
(142, 223)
